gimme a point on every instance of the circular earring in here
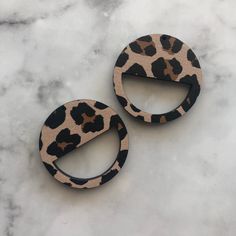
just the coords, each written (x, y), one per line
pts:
(72, 125)
(160, 57)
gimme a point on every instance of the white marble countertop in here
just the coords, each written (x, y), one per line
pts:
(179, 178)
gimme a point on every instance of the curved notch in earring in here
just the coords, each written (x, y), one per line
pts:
(160, 57)
(73, 125)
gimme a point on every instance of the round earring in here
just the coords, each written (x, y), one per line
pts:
(160, 57)
(72, 125)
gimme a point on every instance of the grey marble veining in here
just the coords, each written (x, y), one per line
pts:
(179, 178)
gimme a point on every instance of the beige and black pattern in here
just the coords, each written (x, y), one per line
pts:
(161, 57)
(72, 125)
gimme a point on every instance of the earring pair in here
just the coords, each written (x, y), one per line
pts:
(75, 123)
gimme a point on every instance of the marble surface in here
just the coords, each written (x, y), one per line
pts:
(179, 178)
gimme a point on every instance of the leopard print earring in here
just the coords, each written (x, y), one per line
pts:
(76, 123)
(161, 57)
(72, 125)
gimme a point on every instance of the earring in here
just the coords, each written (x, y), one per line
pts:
(72, 125)
(160, 57)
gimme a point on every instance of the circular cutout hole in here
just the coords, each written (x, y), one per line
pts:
(152, 95)
(93, 158)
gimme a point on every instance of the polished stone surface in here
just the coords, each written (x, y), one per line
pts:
(179, 178)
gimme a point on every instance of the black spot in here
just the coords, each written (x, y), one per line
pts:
(68, 184)
(186, 105)
(50, 168)
(177, 68)
(177, 46)
(172, 115)
(78, 181)
(122, 157)
(122, 133)
(40, 141)
(134, 108)
(122, 59)
(54, 150)
(191, 57)
(165, 41)
(122, 100)
(150, 50)
(108, 176)
(100, 105)
(77, 114)
(190, 79)
(140, 117)
(195, 63)
(155, 118)
(56, 118)
(96, 125)
(194, 89)
(135, 47)
(82, 108)
(146, 38)
(158, 68)
(136, 69)
(64, 137)
(114, 121)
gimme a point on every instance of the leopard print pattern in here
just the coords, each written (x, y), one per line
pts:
(72, 125)
(161, 57)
